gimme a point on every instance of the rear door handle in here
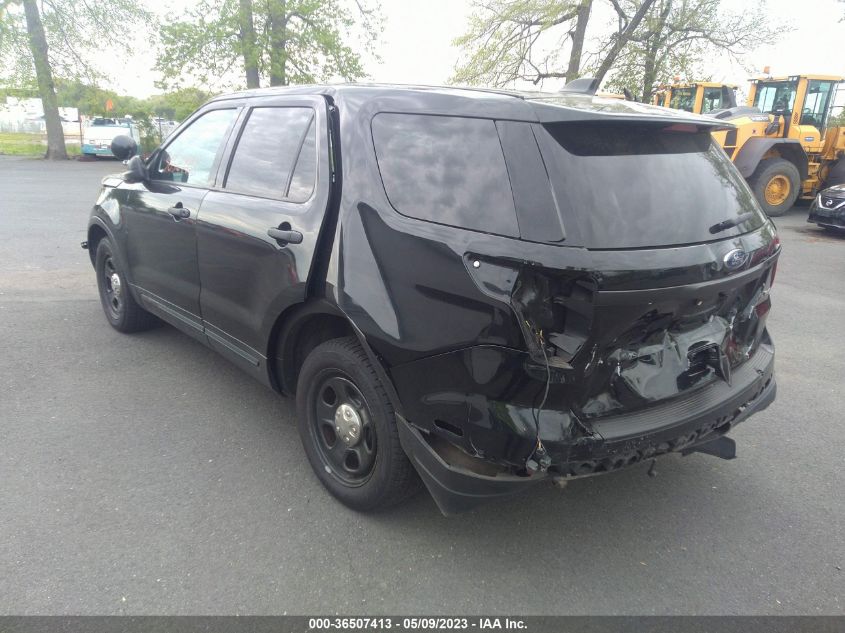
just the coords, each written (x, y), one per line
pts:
(288, 237)
(179, 212)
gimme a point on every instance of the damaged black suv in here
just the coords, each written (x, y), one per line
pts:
(477, 289)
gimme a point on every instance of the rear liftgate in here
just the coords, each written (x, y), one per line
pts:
(609, 378)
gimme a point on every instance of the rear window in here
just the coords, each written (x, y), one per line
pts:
(629, 186)
(444, 169)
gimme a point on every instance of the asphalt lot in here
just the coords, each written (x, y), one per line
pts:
(146, 475)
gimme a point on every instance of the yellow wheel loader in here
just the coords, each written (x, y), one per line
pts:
(785, 141)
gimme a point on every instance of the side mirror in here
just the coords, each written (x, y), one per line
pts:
(124, 147)
(136, 170)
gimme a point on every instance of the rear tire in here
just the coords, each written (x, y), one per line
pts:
(358, 457)
(121, 310)
(776, 184)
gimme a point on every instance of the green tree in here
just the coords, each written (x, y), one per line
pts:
(87, 98)
(280, 42)
(678, 35)
(42, 40)
(508, 40)
(179, 104)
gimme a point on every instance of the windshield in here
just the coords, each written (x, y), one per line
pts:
(775, 97)
(636, 186)
(682, 99)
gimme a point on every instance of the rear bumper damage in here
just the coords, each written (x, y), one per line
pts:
(691, 423)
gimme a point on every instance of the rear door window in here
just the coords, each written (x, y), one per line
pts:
(636, 186)
(444, 169)
(276, 155)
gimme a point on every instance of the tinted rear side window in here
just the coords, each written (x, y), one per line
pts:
(629, 186)
(449, 170)
(273, 144)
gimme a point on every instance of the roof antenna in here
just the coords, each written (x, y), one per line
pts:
(582, 85)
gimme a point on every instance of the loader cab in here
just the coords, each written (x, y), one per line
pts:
(803, 101)
(699, 97)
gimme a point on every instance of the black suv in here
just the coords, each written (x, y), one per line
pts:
(485, 289)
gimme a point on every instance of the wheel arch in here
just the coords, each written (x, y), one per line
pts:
(299, 329)
(96, 232)
(99, 229)
(752, 153)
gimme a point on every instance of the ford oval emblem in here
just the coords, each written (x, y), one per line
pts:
(735, 259)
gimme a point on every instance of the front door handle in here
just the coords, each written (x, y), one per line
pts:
(287, 236)
(179, 212)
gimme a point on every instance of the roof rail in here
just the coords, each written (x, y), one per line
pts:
(583, 85)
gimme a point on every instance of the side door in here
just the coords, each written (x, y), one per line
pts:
(257, 232)
(161, 213)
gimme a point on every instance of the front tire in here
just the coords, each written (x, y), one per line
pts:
(348, 428)
(121, 310)
(776, 184)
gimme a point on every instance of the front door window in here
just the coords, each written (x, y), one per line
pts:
(191, 156)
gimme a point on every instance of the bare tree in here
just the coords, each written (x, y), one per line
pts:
(628, 22)
(678, 34)
(503, 42)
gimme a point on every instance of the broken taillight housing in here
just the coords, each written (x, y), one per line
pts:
(775, 248)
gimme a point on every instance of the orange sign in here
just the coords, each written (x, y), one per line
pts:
(109, 105)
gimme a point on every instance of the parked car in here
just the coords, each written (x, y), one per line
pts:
(481, 288)
(828, 209)
(99, 134)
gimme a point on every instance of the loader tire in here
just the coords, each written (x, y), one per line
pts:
(776, 184)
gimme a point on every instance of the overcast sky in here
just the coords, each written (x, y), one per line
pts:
(416, 44)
